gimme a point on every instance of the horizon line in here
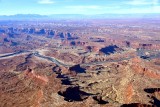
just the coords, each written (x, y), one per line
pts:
(75, 14)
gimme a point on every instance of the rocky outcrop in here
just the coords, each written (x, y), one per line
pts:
(145, 46)
(109, 49)
(137, 105)
(77, 69)
(73, 94)
(137, 68)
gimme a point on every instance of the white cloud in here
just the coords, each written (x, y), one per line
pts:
(84, 7)
(138, 2)
(156, 9)
(45, 1)
(143, 2)
(89, 9)
(155, 2)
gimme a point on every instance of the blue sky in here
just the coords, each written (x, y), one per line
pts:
(46, 7)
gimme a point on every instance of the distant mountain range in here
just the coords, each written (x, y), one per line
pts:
(76, 16)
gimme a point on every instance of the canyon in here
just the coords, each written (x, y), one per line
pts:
(89, 63)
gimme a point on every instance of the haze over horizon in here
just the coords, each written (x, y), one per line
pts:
(89, 7)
